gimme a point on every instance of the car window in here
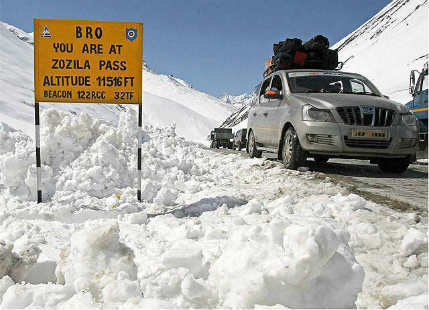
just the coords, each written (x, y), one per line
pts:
(277, 83)
(329, 82)
(357, 86)
(425, 82)
(264, 87)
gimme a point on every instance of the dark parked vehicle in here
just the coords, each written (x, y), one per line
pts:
(240, 139)
(221, 137)
(419, 104)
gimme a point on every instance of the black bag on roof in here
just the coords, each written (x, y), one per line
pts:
(313, 54)
(287, 46)
(318, 43)
(331, 60)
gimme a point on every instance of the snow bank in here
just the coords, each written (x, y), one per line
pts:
(287, 262)
(87, 155)
(242, 265)
(213, 231)
(412, 241)
(414, 302)
(393, 255)
(98, 262)
(191, 243)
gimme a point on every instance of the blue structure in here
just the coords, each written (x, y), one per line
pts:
(419, 104)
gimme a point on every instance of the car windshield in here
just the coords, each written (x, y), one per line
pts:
(330, 82)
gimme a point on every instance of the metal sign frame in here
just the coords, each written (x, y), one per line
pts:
(130, 35)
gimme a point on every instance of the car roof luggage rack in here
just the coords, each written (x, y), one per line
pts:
(313, 54)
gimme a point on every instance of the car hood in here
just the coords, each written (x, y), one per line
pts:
(332, 101)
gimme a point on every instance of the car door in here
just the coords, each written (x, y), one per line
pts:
(274, 113)
(259, 114)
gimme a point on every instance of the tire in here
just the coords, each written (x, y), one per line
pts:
(216, 145)
(321, 159)
(239, 147)
(252, 150)
(293, 156)
(393, 165)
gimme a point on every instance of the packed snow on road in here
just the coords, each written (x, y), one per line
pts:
(215, 230)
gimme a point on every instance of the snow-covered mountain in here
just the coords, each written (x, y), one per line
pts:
(388, 46)
(21, 34)
(237, 100)
(384, 49)
(166, 99)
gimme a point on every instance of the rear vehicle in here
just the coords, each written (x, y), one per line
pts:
(221, 137)
(419, 104)
(325, 114)
(240, 139)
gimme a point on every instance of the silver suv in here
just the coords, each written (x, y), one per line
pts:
(324, 114)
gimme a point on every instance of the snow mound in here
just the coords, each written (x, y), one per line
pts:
(245, 256)
(99, 263)
(213, 231)
(287, 263)
(414, 302)
(82, 154)
(412, 241)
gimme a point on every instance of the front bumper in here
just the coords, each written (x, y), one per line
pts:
(335, 139)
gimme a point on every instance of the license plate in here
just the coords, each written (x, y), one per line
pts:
(369, 133)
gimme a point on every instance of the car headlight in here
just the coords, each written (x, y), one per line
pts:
(310, 113)
(409, 119)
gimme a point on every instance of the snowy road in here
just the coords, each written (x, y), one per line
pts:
(407, 192)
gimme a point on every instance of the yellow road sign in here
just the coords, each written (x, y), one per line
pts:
(88, 61)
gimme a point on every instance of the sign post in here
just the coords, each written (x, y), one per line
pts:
(88, 62)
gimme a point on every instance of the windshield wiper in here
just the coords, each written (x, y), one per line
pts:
(360, 93)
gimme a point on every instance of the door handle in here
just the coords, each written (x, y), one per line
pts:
(265, 114)
(254, 114)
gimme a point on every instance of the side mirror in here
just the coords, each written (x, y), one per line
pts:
(385, 96)
(273, 93)
(412, 85)
(335, 87)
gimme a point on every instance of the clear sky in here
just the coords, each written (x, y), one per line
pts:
(219, 46)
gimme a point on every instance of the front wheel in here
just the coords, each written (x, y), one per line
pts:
(253, 151)
(293, 156)
(394, 165)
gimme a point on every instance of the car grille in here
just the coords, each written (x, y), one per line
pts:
(367, 143)
(321, 139)
(353, 116)
(407, 143)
